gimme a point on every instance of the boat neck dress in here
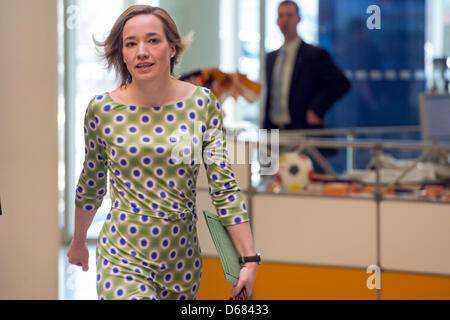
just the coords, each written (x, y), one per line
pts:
(148, 246)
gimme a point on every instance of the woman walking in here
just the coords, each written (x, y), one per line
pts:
(148, 246)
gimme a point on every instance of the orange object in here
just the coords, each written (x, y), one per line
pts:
(370, 188)
(446, 196)
(274, 187)
(336, 188)
(224, 85)
(355, 187)
(433, 192)
(320, 177)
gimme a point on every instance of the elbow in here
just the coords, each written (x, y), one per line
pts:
(347, 85)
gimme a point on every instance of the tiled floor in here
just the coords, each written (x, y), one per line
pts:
(73, 283)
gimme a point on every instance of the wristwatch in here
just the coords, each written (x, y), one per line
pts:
(256, 258)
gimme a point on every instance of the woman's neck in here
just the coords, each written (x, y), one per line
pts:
(156, 93)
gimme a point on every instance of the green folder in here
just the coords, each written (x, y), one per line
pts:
(224, 246)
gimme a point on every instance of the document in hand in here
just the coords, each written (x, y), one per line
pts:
(224, 246)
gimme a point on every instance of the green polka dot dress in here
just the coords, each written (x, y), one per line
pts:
(148, 246)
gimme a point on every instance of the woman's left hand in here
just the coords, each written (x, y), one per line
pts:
(247, 277)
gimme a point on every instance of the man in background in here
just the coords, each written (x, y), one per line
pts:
(303, 82)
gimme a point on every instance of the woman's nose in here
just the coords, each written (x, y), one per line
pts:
(142, 50)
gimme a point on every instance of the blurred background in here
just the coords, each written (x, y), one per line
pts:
(50, 71)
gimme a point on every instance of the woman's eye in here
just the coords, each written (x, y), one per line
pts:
(154, 40)
(129, 44)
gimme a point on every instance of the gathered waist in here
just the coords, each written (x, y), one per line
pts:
(161, 214)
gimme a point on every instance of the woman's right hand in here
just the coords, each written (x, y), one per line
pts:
(78, 255)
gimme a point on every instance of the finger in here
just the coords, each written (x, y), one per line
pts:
(249, 291)
(76, 263)
(235, 290)
(85, 266)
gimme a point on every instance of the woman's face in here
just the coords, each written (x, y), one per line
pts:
(146, 51)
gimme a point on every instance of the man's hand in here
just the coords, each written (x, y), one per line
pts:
(312, 119)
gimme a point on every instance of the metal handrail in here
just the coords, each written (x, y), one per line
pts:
(383, 144)
(302, 143)
(300, 140)
(351, 131)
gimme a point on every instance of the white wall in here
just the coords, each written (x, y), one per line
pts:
(202, 17)
(29, 233)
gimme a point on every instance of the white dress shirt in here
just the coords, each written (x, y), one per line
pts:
(291, 54)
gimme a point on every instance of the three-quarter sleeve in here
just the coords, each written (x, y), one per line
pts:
(225, 193)
(91, 187)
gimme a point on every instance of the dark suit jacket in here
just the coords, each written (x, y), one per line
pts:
(317, 83)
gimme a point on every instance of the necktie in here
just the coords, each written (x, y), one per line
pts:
(276, 111)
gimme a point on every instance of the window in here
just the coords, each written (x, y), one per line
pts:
(82, 75)
(308, 28)
(240, 51)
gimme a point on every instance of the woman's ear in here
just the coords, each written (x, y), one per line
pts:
(173, 51)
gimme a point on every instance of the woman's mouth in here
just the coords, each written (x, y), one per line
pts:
(144, 66)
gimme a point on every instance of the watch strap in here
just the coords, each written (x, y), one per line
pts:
(256, 258)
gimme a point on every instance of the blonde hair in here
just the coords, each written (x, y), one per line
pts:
(114, 42)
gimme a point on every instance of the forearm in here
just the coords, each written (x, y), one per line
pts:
(242, 238)
(83, 220)
(327, 97)
(333, 85)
